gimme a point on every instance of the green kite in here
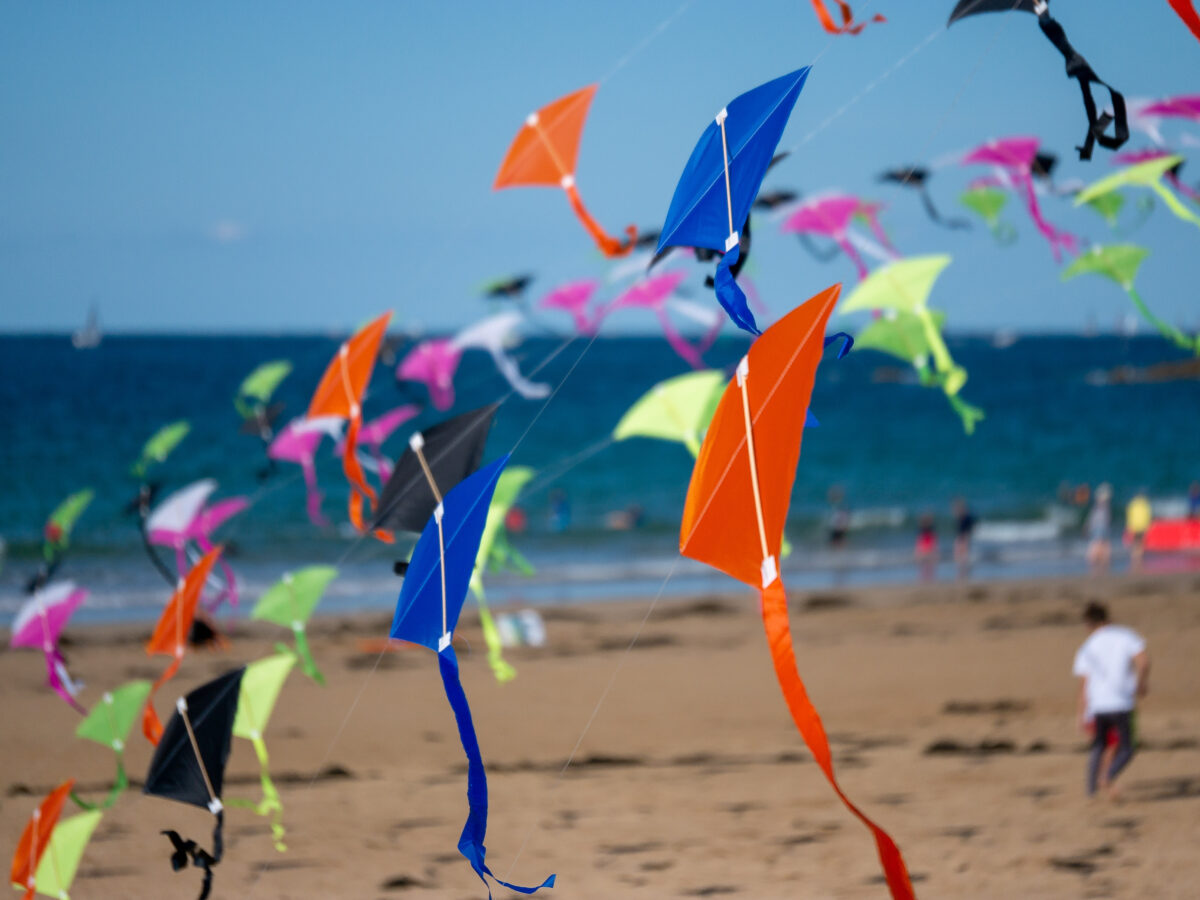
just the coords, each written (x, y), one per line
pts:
(64, 851)
(290, 602)
(1148, 175)
(160, 445)
(678, 409)
(109, 723)
(988, 202)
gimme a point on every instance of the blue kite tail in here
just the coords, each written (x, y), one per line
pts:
(470, 844)
(730, 296)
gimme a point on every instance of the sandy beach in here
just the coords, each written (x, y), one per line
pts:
(950, 711)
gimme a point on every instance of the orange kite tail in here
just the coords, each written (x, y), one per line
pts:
(609, 246)
(808, 721)
(354, 473)
(152, 726)
(848, 25)
(1186, 10)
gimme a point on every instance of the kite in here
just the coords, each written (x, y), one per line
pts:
(261, 684)
(159, 447)
(781, 203)
(737, 505)
(109, 723)
(712, 200)
(494, 549)
(340, 393)
(64, 851)
(298, 443)
(830, 215)
(1014, 159)
(573, 298)
(436, 460)
(543, 155)
(1077, 68)
(1186, 10)
(987, 201)
(35, 840)
(56, 536)
(186, 516)
(848, 25)
(290, 602)
(427, 611)
(1120, 263)
(374, 433)
(916, 178)
(171, 633)
(189, 765)
(1172, 176)
(434, 362)
(507, 288)
(1147, 115)
(39, 622)
(903, 287)
(1147, 174)
(253, 399)
(657, 293)
(677, 409)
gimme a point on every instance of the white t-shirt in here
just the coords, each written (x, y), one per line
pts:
(1106, 661)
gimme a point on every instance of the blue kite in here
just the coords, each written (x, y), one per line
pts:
(721, 180)
(435, 586)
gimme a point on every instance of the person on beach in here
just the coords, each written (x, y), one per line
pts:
(1194, 500)
(1114, 671)
(1099, 521)
(1138, 516)
(926, 551)
(964, 527)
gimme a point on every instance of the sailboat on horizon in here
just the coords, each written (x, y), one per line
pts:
(89, 336)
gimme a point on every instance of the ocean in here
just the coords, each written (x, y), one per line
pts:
(75, 419)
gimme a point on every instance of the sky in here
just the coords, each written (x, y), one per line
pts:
(300, 167)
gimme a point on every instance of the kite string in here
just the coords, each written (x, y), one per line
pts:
(646, 41)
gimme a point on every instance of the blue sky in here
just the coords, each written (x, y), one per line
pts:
(302, 166)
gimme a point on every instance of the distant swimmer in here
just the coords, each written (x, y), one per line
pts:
(964, 527)
(1114, 671)
(1138, 516)
(1097, 527)
(926, 551)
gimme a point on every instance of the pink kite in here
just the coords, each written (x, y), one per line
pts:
(1172, 175)
(655, 293)
(374, 433)
(1014, 158)
(1147, 115)
(298, 443)
(39, 622)
(831, 216)
(573, 298)
(186, 516)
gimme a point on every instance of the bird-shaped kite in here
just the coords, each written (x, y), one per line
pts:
(171, 633)
(290, 602)
(678, 409)
(987, 201)
(1077, 68)
(253, 398)
(848, 25)
(904, 287)
(831, 215)
(60, 862)
(159, 447)
(39, 622)
(56, 536)
(1147, 174)
(494, 549)
(712, 200)
(1186, 10)
(543, 155)
(340, 393)
(427, 612)
(1013, 159)
(916, 178)
(109, 724)
(573, 299)
(184, 517)
(1120, 263)
(297, 443)
(737, 505)
(35, 840)
(657, 293)
(261, 683)
(189, 765)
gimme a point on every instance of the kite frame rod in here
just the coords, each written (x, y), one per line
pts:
(721, 116)
(187, 723)
(743, 373)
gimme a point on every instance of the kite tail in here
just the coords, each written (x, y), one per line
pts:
(354, 474)
(609, 246)
(1187, 12)
(756, 300)
(808, 722)
(307, 663)
(230, 591)
(931, 210)
(1169, 331)
(1174, 203)
(152, 726)
(470, 844)
(968, 413)
(1186, 189)
(730, 296)
(851, 251)
(270, 803)
(678, 342)
(58, 679)
(880, 235)
(1004, 233)
(1056, 237)
(118, 788)
(848, 26)
(312, 494)
(501, 668)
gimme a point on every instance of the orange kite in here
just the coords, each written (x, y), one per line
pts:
(543, 155)
(848, 26)
(35, 837)
(1186, 10)
(171, 634)
(737, 505)
(340, 394)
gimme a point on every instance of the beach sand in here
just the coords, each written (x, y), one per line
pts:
(692, 780)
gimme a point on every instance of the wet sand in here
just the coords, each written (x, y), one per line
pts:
(950, 711)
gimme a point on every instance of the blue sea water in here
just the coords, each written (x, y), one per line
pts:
(74, 419)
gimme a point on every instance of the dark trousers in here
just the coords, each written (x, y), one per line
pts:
(1121, 723)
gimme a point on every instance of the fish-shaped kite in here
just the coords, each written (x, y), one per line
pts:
(427, 612)
(1148, 174)
(1077, 68)
(831, 216)
(39, 622)
(290, 602)
(1120, 263)
(737, 505)
(109, 723)
(297, 443)
(261, 683)
(189, 765)
(848, 24)
(35, 840)
(340, 393)
(657, 293)
(543, 154)
(722, 177)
